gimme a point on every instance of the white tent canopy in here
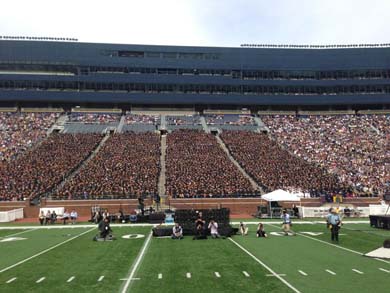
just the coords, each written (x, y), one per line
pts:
(280, 195)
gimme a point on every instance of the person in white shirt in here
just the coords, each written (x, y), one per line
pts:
(243, 229)
(65, 216)
(213, 226)
(177, 232)
(73, 216)
(286, 223)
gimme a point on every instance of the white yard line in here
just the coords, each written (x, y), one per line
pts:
(18, 233)
(246, 274)
(331, 272)
(217, 275)
(137, 263)
(70, 279)
(384, 270)
(357, 271)
(266, 267)
(11, 280)
(160, 276)
(302, 273)
(188, 275)
(40, 280)
(100, 278)
(331, 244)
(44, 251)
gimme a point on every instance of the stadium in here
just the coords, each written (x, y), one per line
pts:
(145, 135)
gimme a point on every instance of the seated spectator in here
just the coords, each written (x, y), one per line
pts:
(177, 232)
(213, 227)
(260, 231)
(243, 229)
(41, 217)
(73, 216)
(65, 217)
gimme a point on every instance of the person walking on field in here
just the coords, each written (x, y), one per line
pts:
(286, 223)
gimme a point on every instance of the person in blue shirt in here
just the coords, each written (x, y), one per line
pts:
(334, 221)
(286, 223)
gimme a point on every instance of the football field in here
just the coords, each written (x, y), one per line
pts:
(65, 259)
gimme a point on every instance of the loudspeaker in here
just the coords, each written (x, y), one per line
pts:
(386, 244)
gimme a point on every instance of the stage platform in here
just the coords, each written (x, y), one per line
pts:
(380, 221)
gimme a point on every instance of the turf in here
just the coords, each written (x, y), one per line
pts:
(77, 255)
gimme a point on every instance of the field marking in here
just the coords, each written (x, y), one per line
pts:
(330, 272)
(46, 250)
(188, 275)
(18, 233)
(384, 270)
(137, 263)
(100, 278)
(357, 271)
(11, 280)
(331, 244)
(246, 274)
(134, 279)
(217, 275)
(159, 276)
(70, 279)
(40, 280)
(265, 266)
(272, 275)
(302, 273)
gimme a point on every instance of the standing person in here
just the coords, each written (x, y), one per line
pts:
(243, 229)
(141, 205)
(213, 226)
(286, 223)
(177, 232)
(260, 231)
(334, 221)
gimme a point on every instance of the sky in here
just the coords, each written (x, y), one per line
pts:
(201, 22)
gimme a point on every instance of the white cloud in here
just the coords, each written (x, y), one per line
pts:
(201, 22)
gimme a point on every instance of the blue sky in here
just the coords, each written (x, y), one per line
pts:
(201, 22)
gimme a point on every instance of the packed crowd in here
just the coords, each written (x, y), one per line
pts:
(229, 119)
(94, 118)
(198, 167)
(356, 148)
(142, 119)
(20, 131)
(126, 166)
(40, 170)
(274, 167)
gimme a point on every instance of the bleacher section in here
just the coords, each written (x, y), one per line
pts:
(231, 122)
(183, 122)
(141, 122)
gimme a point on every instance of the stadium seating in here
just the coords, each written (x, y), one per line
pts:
(40, 170)
(126, 166)
(274, 167)
(198, 167)
(353, 147)
(20, 131)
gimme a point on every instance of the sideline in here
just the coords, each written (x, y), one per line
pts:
(266, 267)
(44, 251)
(331, 244)
(137, 263)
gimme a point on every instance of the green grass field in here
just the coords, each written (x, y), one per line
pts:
(67, 260)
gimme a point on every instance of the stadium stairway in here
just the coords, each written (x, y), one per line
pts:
(162, 179)
(246, 175)
(59, 124)
(204, 124)
(121, 123)
(163, 122)
(72, 174)
(260, 123)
